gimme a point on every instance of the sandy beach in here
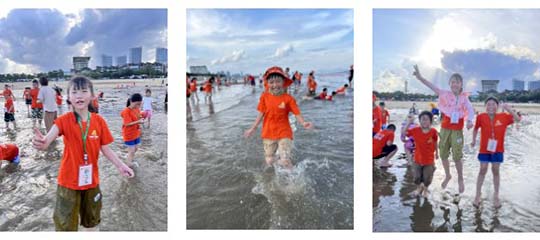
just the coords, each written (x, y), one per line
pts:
(138, 204)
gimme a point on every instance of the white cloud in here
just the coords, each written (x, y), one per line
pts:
(284, 51)
(235, 56)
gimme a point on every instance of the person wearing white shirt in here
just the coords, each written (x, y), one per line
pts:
(47, 96)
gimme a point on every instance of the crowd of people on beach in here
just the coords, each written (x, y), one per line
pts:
(85, 134)
(422, 143)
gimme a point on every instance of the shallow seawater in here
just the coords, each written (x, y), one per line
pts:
(227, 188)
(27, 192)
(395, 210)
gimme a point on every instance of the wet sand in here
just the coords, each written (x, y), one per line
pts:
(138, 204)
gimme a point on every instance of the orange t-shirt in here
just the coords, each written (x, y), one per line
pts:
(377, 119)
(193, 87)
(207, 87)
(501, 120)
(312, 85)
(98, 135)
(385, 114)
(276, 111)
(340, 90)
(34, 94)
(130, 133)
(95, 103)
(8, 151)
(59, 100)
(8, 105)
(446, 123)
(7, 92)
(425, 145)
(380, 139)
(26, 94)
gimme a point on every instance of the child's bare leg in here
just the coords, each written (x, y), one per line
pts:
(386, 160)
(269, 161)
(480, 182)
(130, 156)
(496, 183)
(446, 166)
(459, 168)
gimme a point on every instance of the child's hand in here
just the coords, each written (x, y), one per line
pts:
(307, 125)
(39, 140)
(506, 107)
(126, 171)
(248, 132)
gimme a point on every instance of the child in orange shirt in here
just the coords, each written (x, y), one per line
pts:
(208, 89)
(493, 125)
(341, 90)
(312, 84)
(383, 145)
(27, 99)
(9, 152)
(425, 138)
(131, 131)
(385, 115)
(37, 107)
(78, 194)
(59, 99)
(274, 108)
(9, 112)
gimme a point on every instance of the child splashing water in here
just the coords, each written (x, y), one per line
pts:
(493, 125)
(274, 108)
(85, 134)
(455, 107)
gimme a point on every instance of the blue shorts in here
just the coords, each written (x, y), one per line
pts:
(16, 160)
(133, 143)
(491, 157)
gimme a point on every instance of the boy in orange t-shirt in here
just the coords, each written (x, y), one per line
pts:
(312, 84)
(37, 107)
(384, 114)
(27, 99)
(376, 117)
(383, 145)
(425, 139)
(9, 112)
(274, 108)
(85, 134)
(131, 130)
(493, 125)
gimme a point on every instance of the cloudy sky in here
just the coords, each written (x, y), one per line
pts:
(251, 40)
(35, 40)
(479, 44)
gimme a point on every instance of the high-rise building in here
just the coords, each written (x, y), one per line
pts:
(490, 85)
(121, 60)
(106, 61)
(161, 55)
(534, 85)
(135, 55)
(518, 85)
(80, 63)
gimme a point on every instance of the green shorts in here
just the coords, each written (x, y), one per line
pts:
(451, 140)
(72, 203)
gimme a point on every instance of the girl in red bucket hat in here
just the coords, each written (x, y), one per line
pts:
(274, 108)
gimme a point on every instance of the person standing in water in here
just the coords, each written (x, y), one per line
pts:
(351, 75)
(493, 125)
(274, 108)
(455, 107)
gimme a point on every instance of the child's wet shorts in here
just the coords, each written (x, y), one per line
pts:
(284, 146)
(28, 101)
(148, 113)
(37, 113)
(9, 117)
(72, 203)
(133, 143)
(386, 151)
(491, 157)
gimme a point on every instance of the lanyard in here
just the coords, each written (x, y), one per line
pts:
(84, 135)
(492, 123)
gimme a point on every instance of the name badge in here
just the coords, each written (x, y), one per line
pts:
(85, 175)
(492, 145)
(455, 118)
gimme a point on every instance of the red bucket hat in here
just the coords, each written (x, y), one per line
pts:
(275, 69)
